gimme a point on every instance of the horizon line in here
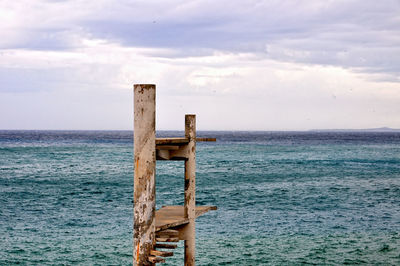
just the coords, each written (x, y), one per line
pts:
(378, 129)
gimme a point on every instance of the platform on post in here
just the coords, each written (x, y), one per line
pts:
(156, 229)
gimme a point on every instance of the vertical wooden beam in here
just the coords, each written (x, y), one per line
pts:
(144, 177)
(190, 190)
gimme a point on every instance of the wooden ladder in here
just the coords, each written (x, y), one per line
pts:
(163, 241)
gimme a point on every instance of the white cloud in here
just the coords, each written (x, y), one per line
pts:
(257, 65)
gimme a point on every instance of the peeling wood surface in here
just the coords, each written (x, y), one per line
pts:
(190, 191)
(171, 216)
(144, 174)
(151, 226)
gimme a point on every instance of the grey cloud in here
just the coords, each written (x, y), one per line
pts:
(350, 34)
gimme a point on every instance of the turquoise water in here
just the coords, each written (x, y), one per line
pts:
(284, 198)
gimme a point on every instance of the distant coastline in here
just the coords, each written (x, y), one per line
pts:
(379, 129)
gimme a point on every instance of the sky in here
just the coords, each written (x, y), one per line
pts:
(237, 65)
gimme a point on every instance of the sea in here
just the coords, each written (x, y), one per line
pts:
(283, 198)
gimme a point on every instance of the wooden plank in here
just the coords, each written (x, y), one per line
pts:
(200, 210)
(172, 216)
(168, 141)
(164, 153)
(168, 246)
(168, 232)
(180, 141)
(165, 239)
(167, 217)
(167, 147)
(154, 259)
(162, 253)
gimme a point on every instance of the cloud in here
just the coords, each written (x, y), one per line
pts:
(240, 64)
(227, 90)
(354, 34)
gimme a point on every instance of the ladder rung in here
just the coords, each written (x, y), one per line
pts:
(169, 239)
(161, 253)
(167, 232)
(169, 246)
(154, 259)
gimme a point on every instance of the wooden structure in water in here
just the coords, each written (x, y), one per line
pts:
(156, 230)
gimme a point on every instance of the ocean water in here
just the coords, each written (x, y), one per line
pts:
(284, 198)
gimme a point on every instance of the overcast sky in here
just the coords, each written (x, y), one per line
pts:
(238, 65)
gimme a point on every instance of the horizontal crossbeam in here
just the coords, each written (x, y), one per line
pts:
(181, 141)
(172, 216)
(175, 148)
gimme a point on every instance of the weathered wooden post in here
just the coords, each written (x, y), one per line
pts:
(170, 223)
(144, 177)
(190, 190)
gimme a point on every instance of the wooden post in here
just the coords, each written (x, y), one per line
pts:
(190, 190)
(144, 178)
